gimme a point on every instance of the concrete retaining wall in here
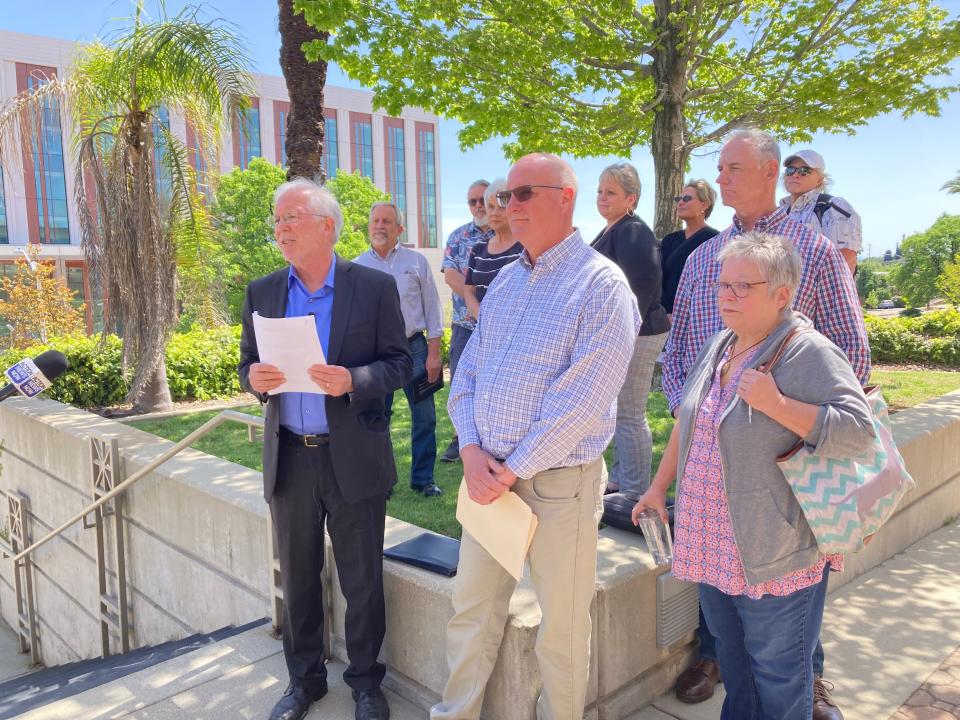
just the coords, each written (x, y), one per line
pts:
(197, 550)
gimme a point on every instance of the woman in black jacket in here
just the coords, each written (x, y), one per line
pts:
(629, 242)
(694, 205)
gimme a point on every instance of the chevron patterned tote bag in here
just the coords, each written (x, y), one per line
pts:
(846, 501)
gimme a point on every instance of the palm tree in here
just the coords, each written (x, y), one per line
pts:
(952, 186)
(305, 82)
(140, 212)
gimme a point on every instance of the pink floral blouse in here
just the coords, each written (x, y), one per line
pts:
(704, 549)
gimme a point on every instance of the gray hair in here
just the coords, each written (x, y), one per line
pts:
(762, 141)
(476, 183)
(626, 176)
(493, 188)
(321, 201)
(384, 203)
(705, 194)
(775, 257)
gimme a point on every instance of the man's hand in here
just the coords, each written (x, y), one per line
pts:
(486, 478)
(334, 380)
(433, 363)
(264, 377)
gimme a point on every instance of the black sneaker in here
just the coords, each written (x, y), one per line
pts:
(452, 453)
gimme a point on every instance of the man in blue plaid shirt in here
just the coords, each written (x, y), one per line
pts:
(749, 168)
(534, 404)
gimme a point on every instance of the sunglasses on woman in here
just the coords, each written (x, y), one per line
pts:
(802, 171)
(682, 198)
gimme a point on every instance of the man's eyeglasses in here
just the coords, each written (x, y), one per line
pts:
(682, 198)
(802, 171)
(740, 289)
(522, 193)
(290, 218)
(473, 202)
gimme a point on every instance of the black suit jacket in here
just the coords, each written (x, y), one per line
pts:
(632, 246)
(367, 337)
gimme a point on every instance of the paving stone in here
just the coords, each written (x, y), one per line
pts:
(949, 694)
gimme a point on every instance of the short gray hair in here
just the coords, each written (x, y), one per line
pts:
(475, 183)
(493, 188)
(775, 257)
(705, 194)
(384, 203)
(321, 201)
(626, 176)
(762, 141)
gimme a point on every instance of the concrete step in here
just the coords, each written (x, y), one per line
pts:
(13, 663)
(241, 677)
(883, 634)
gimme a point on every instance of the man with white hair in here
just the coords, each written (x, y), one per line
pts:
(749, 168)
(423, 321)
(534, 404)
(327, 456)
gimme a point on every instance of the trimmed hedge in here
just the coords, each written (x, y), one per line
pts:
(932, 338)
(201, 364)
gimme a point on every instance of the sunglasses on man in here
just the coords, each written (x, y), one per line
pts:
(802, 171)
(521, 194)
(473, 202)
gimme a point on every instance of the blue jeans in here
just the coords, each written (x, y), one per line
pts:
(708, 647)
(458, 341)
(765, 650)
(423, 416)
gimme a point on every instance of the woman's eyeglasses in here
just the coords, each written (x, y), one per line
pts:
(682, 198)
(802, 171)
(522, 193)
(740, 289)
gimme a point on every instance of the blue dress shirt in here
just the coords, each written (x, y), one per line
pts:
(306, 413)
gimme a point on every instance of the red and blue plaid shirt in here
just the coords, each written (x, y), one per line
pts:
(826, 295)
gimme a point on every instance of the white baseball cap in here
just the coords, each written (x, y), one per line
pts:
(812, 158)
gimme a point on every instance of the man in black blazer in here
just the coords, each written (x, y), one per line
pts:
(327, 458)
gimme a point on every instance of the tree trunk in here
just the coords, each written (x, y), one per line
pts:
(305, 83)
(156, 395)
(668, 136)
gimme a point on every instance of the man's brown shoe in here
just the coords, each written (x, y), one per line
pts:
(824, 708)
(696, 683)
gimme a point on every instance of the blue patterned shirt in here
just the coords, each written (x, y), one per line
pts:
(456, 255)
(826, 295)
(537, 383)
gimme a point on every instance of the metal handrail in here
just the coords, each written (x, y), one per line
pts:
(214, 422)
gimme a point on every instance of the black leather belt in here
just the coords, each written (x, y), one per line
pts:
(310, 441)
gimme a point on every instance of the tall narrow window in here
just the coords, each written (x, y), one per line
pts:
(395, 162)
(246, 135)
(161, 120)
(361, 143)
(427, 184)
(196, 159)
(45, 181)
(4, 234)
(331, 152)
(281, 110)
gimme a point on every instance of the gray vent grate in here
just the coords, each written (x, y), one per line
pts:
(678, 609)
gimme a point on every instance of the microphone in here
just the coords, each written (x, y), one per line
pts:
(29, 377)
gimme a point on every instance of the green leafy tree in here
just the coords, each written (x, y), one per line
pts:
(949, 281)
(598, 78)
(139, 210)
(356, 195)
(873, 276)
(925, 256)
(241, 211)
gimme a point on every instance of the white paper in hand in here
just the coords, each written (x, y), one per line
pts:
(292, 345)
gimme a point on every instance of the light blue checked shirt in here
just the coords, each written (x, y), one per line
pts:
(537, 383)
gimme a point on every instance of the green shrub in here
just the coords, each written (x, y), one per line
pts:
(911, 312)
(933, 338)
(201, 364)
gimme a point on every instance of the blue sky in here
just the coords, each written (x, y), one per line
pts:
(891, 170)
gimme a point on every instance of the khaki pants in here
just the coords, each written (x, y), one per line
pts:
(563, 569)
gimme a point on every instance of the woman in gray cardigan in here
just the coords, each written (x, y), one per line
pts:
(740, 532)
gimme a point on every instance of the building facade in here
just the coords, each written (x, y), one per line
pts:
(400, 154)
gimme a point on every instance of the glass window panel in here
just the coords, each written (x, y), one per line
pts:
(249, 136)
(50, 183)
(428, 189)
(330, 146)
(4, 234)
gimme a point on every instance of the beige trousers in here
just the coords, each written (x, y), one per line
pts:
(563, 569)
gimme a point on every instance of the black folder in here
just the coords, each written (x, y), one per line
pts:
(617, 508)
(423, 388)
(436, 553)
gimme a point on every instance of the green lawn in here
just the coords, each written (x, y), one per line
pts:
(902, 388)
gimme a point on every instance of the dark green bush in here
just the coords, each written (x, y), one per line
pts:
(201, 364)
(931, 338)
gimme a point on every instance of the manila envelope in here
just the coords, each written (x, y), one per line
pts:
(504, 528)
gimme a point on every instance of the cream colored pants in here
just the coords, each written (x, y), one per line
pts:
(563, 569)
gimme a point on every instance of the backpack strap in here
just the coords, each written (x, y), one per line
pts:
(824, 203)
